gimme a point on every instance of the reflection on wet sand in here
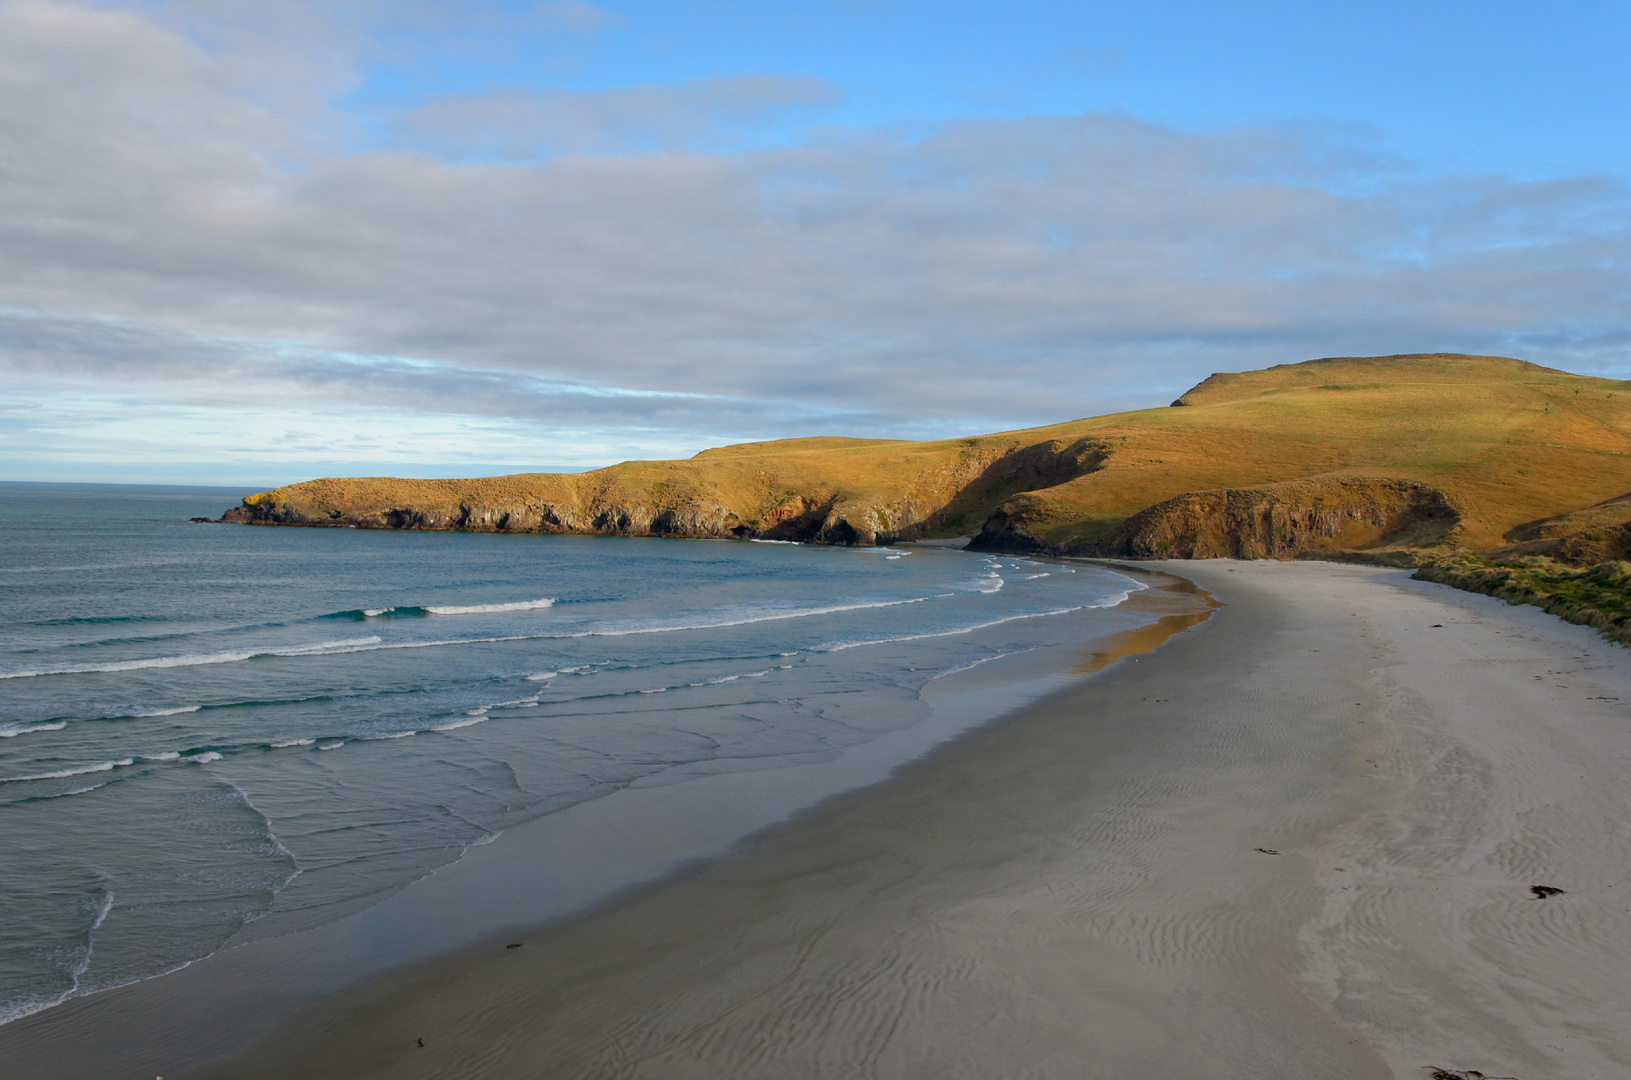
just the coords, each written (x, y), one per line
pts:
(1183, 603)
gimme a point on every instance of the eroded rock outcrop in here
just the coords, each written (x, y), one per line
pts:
(1282, 521)
(1586, 537)
(699, 499)
(1471, 451)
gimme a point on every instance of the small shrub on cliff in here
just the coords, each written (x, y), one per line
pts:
(1599, 596)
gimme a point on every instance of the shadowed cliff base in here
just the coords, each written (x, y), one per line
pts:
(1395, 458)
(1303, 517)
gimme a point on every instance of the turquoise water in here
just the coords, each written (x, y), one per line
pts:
(212, 732)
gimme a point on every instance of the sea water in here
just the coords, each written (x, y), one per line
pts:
(210, 733)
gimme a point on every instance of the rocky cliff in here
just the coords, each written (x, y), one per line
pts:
(1303, 517)
(1361, 455)
(722, 495)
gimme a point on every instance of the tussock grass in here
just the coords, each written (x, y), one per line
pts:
(1598, 596)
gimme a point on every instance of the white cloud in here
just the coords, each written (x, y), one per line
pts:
(517, 126)
(171, 229)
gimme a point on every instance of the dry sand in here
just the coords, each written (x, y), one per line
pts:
(1087, 889)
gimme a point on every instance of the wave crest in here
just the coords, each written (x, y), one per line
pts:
(483, 609)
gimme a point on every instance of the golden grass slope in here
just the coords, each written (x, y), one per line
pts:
(1507, 443)
(828, 490)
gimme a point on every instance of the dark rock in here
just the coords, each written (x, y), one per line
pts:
(1283, 521)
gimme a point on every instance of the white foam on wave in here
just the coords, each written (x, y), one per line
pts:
(745, 675)
(385, 646)
(518, 703)
(202, 759)
(168, 755)
(483, 609)
(472, 717)
(285, 744)
(169, 712)
(793, 543)
(295, 869)
(11, 731)
(75, 791)
(457, 724)
(376, 612)
(802, 613)
(374, 644)
(977, 663)
(542, 676)
(197, 659)
(329, 744)
(78, 770)
(31, 1006)
(842, 645)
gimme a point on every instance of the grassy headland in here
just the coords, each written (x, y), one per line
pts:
(1399, 458)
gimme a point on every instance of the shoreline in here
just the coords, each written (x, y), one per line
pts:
(1298, 841)
(562, 866)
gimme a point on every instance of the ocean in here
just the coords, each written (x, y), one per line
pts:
(212, 734)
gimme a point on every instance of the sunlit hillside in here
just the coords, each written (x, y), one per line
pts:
(1494, 444)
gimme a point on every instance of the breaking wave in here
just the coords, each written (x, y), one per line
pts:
(195, 659)
(414, 611)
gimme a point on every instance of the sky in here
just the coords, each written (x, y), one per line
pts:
(251, 243)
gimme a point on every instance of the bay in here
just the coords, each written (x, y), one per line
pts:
(211, 734)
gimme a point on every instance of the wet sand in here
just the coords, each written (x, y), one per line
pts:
(550, 869)
(1298, 840)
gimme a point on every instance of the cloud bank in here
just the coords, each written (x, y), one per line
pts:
(568, 265)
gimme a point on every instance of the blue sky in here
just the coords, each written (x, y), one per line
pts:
(1521, 89)
(249, 242)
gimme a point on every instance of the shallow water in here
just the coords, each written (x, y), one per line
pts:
(211, 733)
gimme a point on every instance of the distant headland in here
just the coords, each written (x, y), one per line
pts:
(1393, 458)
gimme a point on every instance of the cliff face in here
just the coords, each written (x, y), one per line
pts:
(720, 497)
(1348, 454)
(1287, 520)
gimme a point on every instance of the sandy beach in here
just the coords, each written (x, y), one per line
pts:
(1300, 839)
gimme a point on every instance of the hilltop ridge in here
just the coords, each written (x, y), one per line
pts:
(1397, 456)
